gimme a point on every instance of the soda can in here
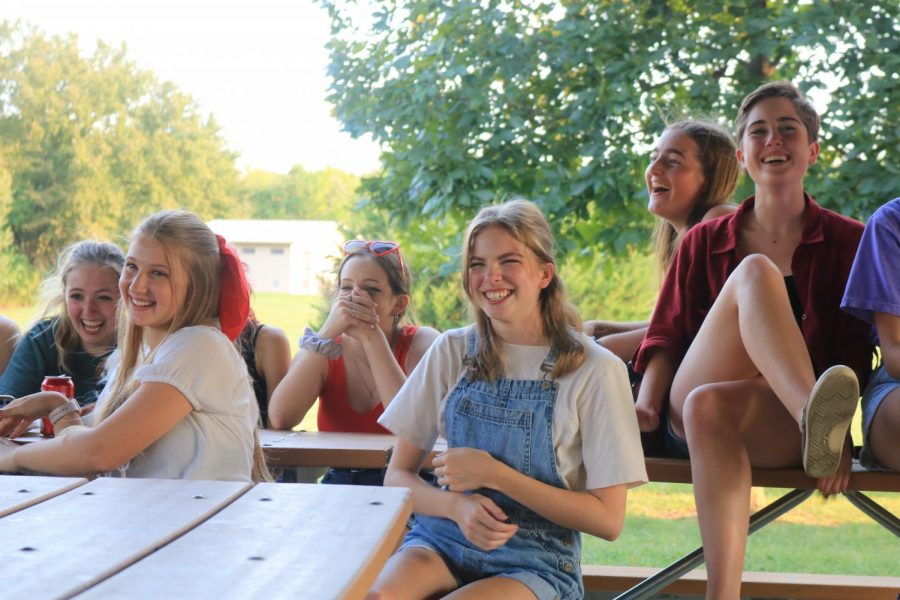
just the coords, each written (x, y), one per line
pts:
(56, 383)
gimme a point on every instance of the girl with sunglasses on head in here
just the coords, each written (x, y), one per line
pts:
(541, 432)
(360, 356)
(178, 404)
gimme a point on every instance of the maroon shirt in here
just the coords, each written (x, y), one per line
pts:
(820, 265)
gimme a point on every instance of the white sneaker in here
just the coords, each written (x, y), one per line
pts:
(826, 419)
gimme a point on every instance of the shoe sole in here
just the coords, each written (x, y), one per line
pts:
(827, 417)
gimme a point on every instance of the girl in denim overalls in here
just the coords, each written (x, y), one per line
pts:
(542, 437)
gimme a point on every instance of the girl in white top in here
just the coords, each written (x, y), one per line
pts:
(179, 402)
(542, 437)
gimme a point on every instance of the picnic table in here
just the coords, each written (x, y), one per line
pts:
(152, 538)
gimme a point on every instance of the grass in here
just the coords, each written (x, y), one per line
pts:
(819, 536)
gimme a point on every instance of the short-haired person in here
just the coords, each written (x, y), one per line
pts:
(748, 345)
(179, 403)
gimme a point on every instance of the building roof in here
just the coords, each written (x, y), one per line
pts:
(261, 231)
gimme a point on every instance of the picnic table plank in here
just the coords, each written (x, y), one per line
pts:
(68, 543)
(277, 540)
(18, 492)
(326, 449)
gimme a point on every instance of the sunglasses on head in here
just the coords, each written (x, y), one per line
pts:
(374, 247)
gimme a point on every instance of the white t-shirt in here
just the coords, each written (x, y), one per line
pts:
(215, 440)
(595, 432)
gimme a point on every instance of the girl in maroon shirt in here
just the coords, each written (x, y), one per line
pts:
(748, 318)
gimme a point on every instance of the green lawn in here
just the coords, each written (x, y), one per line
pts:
(817, 537)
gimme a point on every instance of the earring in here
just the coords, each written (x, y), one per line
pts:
(396, 319)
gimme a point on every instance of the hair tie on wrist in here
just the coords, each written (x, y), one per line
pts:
(234, 292)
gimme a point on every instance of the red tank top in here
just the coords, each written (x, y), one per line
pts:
(335, 414)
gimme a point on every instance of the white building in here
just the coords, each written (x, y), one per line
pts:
(291, 257)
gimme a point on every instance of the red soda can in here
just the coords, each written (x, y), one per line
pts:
(56, 383)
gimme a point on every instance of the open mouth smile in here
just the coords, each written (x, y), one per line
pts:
(497, 295)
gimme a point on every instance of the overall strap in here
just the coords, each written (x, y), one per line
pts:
(547, 369)
(471, 349)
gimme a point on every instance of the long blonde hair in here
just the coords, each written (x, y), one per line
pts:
(525, 222)
(716, 153)
(191, 248)
(87, 252)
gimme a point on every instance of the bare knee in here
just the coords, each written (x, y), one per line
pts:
(758, 270)
(704, 411)
(412, 573)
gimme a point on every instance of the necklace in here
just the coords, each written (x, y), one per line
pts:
(371, 389)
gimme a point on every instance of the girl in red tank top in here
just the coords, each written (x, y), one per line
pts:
(360, 357)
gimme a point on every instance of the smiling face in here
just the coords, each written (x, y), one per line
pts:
(775, 149)
(361, 275)
(504, 280)
(91, 297)
(674, 177)
(152, 288)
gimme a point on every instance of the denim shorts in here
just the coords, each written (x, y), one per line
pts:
(529, 557)
(880, 385)
(354, 476)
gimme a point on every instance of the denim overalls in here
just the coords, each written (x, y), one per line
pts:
(513, 421)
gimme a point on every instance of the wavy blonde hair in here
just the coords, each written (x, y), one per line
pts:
(88, 252)
(524, 221)
(191, 249)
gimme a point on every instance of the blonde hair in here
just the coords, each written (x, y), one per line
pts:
(716, 153)
(88, 252)
(191, 248)
(524, 221)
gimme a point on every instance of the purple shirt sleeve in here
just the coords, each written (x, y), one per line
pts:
(874, 282)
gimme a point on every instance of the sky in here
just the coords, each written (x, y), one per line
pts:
(257, 66)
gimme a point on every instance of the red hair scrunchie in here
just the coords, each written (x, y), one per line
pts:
(234, 291)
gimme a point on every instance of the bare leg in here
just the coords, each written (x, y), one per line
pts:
(413, 574)
(749, 330)
(493, 587)
(884, 437)
(731, 426)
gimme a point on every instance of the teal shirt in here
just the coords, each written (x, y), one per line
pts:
(36, 356)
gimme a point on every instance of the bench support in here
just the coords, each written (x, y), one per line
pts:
(878, 513)
(654, 584)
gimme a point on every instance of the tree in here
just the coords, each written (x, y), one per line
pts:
(329, 194)
(475, 100)
(92, 144)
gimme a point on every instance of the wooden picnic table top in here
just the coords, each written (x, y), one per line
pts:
(277, 540)
(151, 538)
(18, 492)
(326, 449)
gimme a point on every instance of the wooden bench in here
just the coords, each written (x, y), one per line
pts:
(754, 585)
(679, 577)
